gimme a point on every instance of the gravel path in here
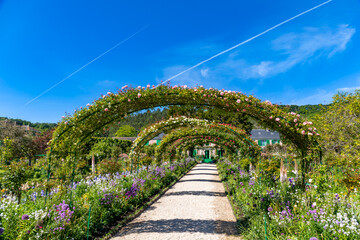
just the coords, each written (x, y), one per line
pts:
(194, 208)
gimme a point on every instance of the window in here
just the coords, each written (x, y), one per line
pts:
(262, 143)
(275, 141)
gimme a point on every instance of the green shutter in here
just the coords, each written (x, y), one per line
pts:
(267, 142)
(158, 142)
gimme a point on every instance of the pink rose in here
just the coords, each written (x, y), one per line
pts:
(238, 101)
(277, 119)
(129, 100)
(106, 109)
(139, 95)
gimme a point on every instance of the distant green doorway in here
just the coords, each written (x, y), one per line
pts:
(207, 157)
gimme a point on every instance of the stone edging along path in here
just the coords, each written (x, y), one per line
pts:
(196, 207)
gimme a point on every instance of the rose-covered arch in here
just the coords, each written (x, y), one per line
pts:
(184, 144)
(74, 131)
(214, 133)
(182, 121)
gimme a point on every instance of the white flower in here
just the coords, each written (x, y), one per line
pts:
(310, 180)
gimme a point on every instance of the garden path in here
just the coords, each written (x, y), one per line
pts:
(194, 208)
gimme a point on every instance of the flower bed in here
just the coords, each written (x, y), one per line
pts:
(110, 197)
(322, 211)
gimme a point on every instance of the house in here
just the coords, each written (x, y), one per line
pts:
(265, 137)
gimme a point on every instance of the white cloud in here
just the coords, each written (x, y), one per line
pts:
(204, 72)
(300, 47)
(285, 52)
(191, 78)
(347, 89)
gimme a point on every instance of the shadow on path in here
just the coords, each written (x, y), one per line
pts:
(179, 225)
(200, 180)
(202, 174)
(196, 193)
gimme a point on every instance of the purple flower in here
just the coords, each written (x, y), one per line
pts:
(1, 231)
(270, 209)
(254, 205)
(25, 217)
(314, 238)
(251, 183)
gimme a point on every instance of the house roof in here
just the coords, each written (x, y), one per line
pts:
(263, 134)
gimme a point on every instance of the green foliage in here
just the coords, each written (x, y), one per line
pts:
(339, 125)
(6, 150)
(308, 111)
(109, 148)
(110, 166)
(16, 174)
(126, 131)
(112, 198)
(321, 212)
(238, 119)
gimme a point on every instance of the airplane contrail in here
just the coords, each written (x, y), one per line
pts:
(79, 69)
(246, 41)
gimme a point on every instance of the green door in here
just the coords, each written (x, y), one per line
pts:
(207, 157)
(206, 154)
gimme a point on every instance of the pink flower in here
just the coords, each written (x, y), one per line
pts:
(271, 117)
(124, 87)
(106, 109)
(139, 95)
(66, 122)
(204, 95)
(244, 110)
(295, 120)
(129, 100)
(277, 119)
(268, 102)
(246, 99)
(303, 132)
(222, 93)
(148, 86)
(238, 101)
(310, 134)
(63, 116)
(139, 87)
(185, 86)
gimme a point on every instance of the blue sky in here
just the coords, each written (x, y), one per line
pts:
(305, 61)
